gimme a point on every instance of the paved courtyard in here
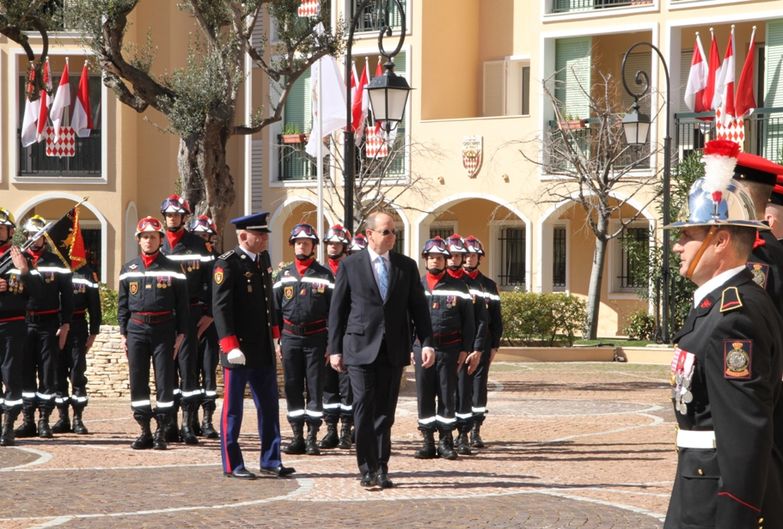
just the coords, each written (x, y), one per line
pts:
(587, 445)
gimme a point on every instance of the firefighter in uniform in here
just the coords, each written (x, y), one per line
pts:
(48, 322)
(73, 358)
(727, 365)
(204, 227)
(195, 260)
(457, 252)
(453, 327)
(243, 306)
(494, 332)
(302, 294)
(153, 316)
(17, 280)
(338, 397)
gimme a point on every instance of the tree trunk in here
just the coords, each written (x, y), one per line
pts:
(204, 174)
(596, 278)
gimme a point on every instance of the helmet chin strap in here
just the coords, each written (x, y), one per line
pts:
(703, 248)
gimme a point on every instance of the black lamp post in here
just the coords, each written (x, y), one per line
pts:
(637, 127)
(388, 94)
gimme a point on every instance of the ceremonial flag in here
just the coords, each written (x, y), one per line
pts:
(713, 66)
(82, 111)
(328, 110)
(61, 100)
(697, 79)
(745, 101)
(725, 84)
(43, 113)
(359, 107)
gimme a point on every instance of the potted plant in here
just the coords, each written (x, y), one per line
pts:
(292, 134)
(570, 122)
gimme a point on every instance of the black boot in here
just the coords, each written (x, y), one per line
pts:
(346, 435)
(427, 450)
(171, 434)
(186, 433)
(44, 430)
(446, 445)
(475, 436)
(311, 444)
(159, 437)
(207, 430)
(7, 431)
(63, 424)
(297, 444)
(330, 440)
(463, 444)
(144, 440)
(78, 425)
(27, 428)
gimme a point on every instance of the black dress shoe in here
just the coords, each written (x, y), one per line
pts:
(383, 480)
(368, 480)
(279, 471)
(240, 473)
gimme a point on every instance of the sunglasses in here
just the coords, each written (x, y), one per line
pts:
(386, 232)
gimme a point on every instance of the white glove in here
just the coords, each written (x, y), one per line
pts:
(235, 356)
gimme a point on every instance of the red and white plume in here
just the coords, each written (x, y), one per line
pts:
(720, 158)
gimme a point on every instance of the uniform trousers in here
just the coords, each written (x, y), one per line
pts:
(465, 398)
(185, 378)
(208, 351)
(376, 387)
(72, 365)
(338, 396)
(41, 357)
(303, 360)
(13, 336)
(480, 380)
(263, 388)
(150, 343)
(439, 380)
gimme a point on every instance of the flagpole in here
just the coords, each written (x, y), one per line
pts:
(320, 161)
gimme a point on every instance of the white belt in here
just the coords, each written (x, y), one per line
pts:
(696, 439)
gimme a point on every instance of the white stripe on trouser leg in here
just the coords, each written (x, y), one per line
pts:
(464, 415)
(188, 394)
(79, 399)
(210, 393)
(479, 410)
(444, 420)
(12, 403)
(292, 414)
(331, 406)
(168, 404)
(343, 407)
(427, 420)
(140, 403)
(314, 414)
(44, 396)
(28, 394)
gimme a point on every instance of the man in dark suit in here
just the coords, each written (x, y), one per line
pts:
(376, 297)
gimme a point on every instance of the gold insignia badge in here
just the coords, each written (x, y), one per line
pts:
(133, 287)
(218, 275)
(760, 273)
(737, 359)
(288, 292)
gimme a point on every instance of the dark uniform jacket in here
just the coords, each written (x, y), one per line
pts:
(159, 289)
(492, 298)
(303, 301)
(13, 302)
(57, 292)
(451, 313)
(195, 257)
(480, 340)
(86, 297)
(766, 265)
(735, 335)
(243, 307)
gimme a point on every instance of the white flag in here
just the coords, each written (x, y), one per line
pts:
(328, 112)
(30, 122)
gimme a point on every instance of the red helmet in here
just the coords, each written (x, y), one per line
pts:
(203, 224)
(338, 234)
(175, 204)
(437, 246)
(303, 231)
(149, 224)
(359, 243)
(473, 245)
(456, 244)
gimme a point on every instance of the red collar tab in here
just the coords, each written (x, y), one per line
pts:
(149, 259)
(174, 237)
(302, 266)
(334, 264)
(5, 247)
(36, 254)
(706, 303)
(759, 241)
(456, 274)
(473, 275)
(433, 280)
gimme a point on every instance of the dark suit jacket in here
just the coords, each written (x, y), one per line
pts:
(359, 320)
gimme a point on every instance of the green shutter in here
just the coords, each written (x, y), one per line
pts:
(773, 95)
(572, 64)
(638, 62)
(297, 106)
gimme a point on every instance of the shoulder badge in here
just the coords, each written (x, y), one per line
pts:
(730, 299)
(218, 275)
(760, 273)
(133, 266)
(737, 359)
(227, 254)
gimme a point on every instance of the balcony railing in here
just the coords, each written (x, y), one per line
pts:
(295, 165)
(575, 6)
(371, 18)
(86, 163)
(763, 132)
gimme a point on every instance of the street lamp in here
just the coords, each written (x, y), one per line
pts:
(388, 94)
(637, 127)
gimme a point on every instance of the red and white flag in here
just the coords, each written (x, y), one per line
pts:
(62, 100)
(713, 65)
(745, 100)
(697, 79)
(308, 8)
(725, 84)
(359, 108)
(81, 122)
(29, 122)
(43, 112)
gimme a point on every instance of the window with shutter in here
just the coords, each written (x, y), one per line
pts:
(572, 78)
(773, 95)
(494, 94)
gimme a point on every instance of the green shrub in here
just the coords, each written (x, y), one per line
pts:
(540, 319)
(641, 326)
(108, 305)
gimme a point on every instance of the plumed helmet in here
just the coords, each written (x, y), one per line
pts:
(175, 204)
(456, 244)
(358, 243)
(33, 225)
(437, 246)
(7, 218)
(149, 224)
(473, 245)
(338, 234)
(716, 199)
(303, 231)
(203, 224)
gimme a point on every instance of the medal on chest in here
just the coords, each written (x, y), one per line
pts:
(249, 278)
(683, 364)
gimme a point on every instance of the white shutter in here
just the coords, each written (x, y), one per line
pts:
(256, 174)
(573, 64)
(494, 94)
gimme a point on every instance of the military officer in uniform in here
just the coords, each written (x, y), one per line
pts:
(453, 327)
(457, 252)
(195, 260)
(17, 280)
(73, 359)
(303, 293)
(491, 296)
(243, 306)
(48, 323)
(338, 397)
(152, 309)
(727, 364)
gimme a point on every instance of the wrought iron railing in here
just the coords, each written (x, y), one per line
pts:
(294, 164)
(571, 6)
(87, 162)
(371, 18)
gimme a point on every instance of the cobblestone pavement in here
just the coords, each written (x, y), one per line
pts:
(587, 445)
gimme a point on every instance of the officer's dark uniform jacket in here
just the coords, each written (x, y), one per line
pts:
(735, 337)
(244, 320)
(13, 302)
(492, 298)
(452, 315)
(303, 302)
(195, 258)
(152, 295)
(56, 296)
(86, 297)
(766, 265)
